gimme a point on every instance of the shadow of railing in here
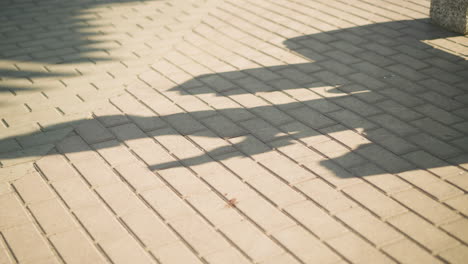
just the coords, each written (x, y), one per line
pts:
(49, 33)
(361, 52)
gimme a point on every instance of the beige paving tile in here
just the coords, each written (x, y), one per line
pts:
(100, 223)
(82, 251)
(202, 127)
(55, 167)
(120, 198)
(325, 195)
(316, 219)
(423, 232)
(230, 255)
(305, 246)
(457, 254)
(369, 226)
(153, 232)
(200, 235)
(407, 251)
(457, 228)
(61, 221)
(12, 211)
(216, 210)
(176, 252)
(265, 215)
(358, 250)
(5, 255)
(32, 188)
(26, 243)
(250, 240)
(166, 203)
(425, 206)
(375, 201)
(126, 249)
(75, 193)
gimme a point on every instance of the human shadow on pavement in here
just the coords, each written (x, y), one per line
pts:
(360, 79)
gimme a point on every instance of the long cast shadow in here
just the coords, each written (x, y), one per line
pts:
(362, 53)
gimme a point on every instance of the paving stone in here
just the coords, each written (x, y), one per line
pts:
(285, 168)
(32, 188)
(93, 132)
(457, 228)
(264, 214)
(75, 148)
(96, 171)
(223, 127)
(316, 220)
(372, 228)
(434, 146)
(216, 210)
(375, 201)
(436, 129)
(384, 158)
(392, 142)
(402, 97)
(83, 249)
(441, 101)
(306, 247)
(6, 257)
(438, 114)
(326, 196)
(433, 164)
(120, 198)
(12, 211)
(115, 153)
(176, 252)
(455, 255)
(459, 203)
(186, 125)
(310, 117)
(200, 235)
(62, 220)
(396, 109)
(393, 124)
(357, 106)
(283, 258)
(48, 137)
(26, 242)
(230, 255)
(126, 249)
(143, 145)
(407, 251)
(100, 223)
(249, 239)
(352, 120)
(423, 232)
(75, 193)
(431, 184)
(166, 203)
(139, 176)
(55, 167)
(421, 203)
(353, 248)
(389, 183)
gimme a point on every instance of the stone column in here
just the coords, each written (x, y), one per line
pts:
(450, 14)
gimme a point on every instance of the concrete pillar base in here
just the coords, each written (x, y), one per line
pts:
(450, 14)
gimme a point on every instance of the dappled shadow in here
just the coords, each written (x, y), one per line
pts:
(366, 79)
(51, 32)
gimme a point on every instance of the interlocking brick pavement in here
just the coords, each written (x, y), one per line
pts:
(231, 131)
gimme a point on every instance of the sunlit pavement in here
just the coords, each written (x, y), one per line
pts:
(231, 131)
